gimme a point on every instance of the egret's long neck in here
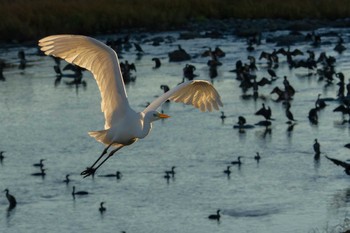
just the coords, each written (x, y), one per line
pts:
(147, 126)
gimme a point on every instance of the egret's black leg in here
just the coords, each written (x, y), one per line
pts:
(90, 170)
(93, 170)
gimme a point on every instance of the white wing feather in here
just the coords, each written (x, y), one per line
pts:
(98, 58)
(199, 93)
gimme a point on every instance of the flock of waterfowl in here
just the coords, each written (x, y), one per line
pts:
(246, 74)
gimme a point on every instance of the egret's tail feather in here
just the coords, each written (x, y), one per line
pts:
(99, 135)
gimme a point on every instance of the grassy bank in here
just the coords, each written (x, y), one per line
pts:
(29, 20)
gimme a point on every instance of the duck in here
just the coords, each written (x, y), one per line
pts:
(227, 171)
(41, 173)
(79, 192)
(237, 162)
(67, 180)
(40, 164)
(117, 175)
(215, 216)
(172, 171)
(102, 209)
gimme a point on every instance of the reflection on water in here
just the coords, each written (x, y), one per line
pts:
(43, 117)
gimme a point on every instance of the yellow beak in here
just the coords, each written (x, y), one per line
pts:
(161, 115)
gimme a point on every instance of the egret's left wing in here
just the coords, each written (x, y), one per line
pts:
(199, 93)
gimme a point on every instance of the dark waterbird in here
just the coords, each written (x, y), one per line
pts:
(223, 117)
(117, 175)
(67, 180)
(41, 173)
(188, 72)
(179, 55)
(344, 109)
(102, 209)
(265, 112)
(157, 63)
(257, 157)
(215, 216)
(317, 149)
(40, 164)
(80, 193)
(345, 165)
(22, 59)
(320, 103)
(313, 117)
(237, 162)
(2, 156)
(172, 171)
(11, 199)
(289, 114)
(227, 171)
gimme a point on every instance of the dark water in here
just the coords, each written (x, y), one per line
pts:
(286, 192)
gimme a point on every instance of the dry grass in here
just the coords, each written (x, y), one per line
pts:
(30, 20)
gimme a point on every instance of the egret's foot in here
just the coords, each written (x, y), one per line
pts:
(89, 171)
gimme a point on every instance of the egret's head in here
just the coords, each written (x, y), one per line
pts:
(154, 115)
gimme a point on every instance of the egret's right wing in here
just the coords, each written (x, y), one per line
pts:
(338, 162)
(98, 58)
(199, 93)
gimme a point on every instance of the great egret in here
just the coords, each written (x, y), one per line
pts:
(123, 125)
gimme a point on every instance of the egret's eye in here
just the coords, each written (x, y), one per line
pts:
(155, 114)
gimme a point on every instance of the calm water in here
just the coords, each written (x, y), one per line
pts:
(286, 192)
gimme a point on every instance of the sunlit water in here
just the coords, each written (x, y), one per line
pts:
(286, 192)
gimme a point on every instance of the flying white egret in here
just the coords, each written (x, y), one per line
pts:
(123, 126)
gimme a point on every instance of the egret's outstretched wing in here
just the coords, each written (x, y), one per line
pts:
(201, 94)
(98, 58)
(338, 162)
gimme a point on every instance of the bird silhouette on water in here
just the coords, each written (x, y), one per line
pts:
(289, 114)
(215, 216)
(102, 209)
(257, 157)
(227, 171)
(40, 164)
(222, 117)
(41, 173)
(317, 149)
(67, 180)
(265, 112)
(337, 162)
(2, 156)
(11, 199)
(79, 193)
(172, 171)
(157, 63)
(237, 162)
(117, 175)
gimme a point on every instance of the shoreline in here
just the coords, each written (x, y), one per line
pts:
(238, 27)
